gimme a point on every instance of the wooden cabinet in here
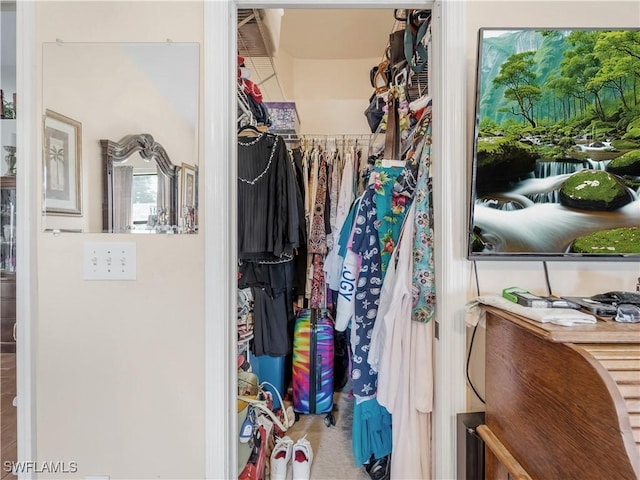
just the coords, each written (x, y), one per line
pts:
(561, 402)
(7, 263)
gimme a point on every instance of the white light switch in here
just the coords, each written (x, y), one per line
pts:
(110, 261)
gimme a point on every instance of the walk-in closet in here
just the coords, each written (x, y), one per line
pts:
(336, 282)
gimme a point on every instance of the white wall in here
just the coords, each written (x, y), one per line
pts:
(332, 95)
(566, 278)
(120, 365)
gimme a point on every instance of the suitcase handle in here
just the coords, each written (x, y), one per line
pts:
(318, 373)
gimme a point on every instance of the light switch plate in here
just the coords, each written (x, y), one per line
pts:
(109, 261)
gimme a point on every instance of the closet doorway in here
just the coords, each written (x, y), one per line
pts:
(307, 76)
(450, 92)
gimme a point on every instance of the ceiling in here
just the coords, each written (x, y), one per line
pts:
(311, 34)
(336, 33)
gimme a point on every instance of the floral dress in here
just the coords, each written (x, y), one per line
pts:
(424, 279)
(392, 207)
(372, 223)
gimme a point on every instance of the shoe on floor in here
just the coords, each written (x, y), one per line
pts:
(255, 467)
(379, 469)
(280, 456)
(302, 458)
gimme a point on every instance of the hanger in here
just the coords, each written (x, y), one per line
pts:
(401, 77)
(398, 16)
(249, 130)
(419, 103)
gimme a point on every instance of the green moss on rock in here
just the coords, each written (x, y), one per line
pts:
(614, 241)
(594, 190)
(624, 144)
(627, 164)
(500, 161)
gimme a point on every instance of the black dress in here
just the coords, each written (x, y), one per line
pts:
(268, 234)
(267, 200)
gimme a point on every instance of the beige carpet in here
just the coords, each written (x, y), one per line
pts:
(333, 456)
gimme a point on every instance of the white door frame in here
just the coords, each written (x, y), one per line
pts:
(27, 217)
(448, 85)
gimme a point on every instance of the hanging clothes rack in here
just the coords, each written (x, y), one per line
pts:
(297, 137)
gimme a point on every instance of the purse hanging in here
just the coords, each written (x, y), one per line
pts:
(395, 51)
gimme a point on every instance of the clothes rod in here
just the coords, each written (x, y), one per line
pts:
(312, 136)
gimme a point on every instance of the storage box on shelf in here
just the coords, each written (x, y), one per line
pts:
(284, 117)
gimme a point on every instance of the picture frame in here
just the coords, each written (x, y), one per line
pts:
(62, 165)
(555, 145)
(188, 196)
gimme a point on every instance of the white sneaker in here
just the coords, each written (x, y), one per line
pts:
(302, 458)
(280, 456)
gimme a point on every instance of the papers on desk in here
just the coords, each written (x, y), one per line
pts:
(558, 316)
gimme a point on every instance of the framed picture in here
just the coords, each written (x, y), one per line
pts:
(62, 165)
(557, 146)
(188, 186)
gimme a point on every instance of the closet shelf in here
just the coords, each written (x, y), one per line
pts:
(256, 46)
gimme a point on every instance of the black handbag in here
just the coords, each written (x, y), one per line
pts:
(374, 112)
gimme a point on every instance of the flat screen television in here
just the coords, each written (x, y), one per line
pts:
(556, 156)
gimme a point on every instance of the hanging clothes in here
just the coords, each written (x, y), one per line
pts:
(266, 184)
(333, 189)
(371, 435)
(301, 256)
(347, 265)
(317, 247)
(402, 352)
(336, 255)
(272, 290)
(327, 183)
(366, 244)
(267, 242)
(424, 278)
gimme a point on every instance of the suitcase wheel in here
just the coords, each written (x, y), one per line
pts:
(329, 420)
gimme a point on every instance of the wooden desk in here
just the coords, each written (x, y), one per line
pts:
(562, 402)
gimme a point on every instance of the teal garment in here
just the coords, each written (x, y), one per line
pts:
(371, 433)
(345, 232)
(391, 207)
(424, 275)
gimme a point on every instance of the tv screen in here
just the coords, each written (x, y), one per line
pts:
(556, 157)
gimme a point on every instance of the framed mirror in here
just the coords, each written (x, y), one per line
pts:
(140, 187)
(136, 110)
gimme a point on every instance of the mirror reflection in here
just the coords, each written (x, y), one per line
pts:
(141, 188)
(135, 106)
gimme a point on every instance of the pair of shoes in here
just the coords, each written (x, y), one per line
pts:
(300, 453)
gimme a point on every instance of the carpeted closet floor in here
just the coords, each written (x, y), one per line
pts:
(333, 457)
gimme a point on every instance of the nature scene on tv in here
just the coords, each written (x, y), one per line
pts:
(557, 155)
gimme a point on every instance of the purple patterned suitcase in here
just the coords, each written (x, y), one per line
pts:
(313, 363)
